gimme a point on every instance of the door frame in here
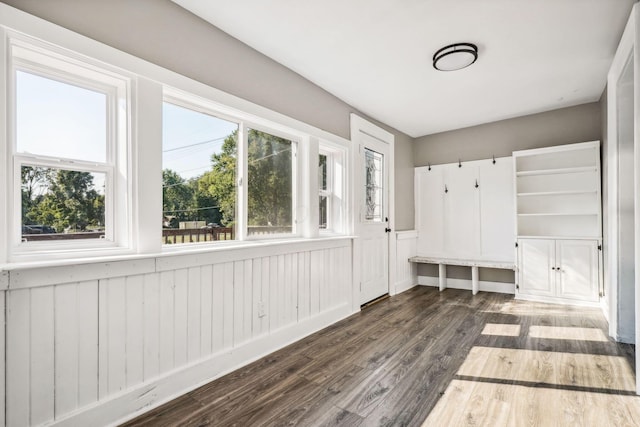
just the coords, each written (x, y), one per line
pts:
(361, 125)
(629, 45)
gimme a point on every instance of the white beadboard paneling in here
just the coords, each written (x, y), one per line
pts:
(76, 348)
(217, 308)
(4, 280)
(194, 314)
(86, 323)
(67, 344)
(406, 272)
(18, 357)
(151, 325)
(166, 357)
(134, 303)
(180, 316)
(42, 355)
(206, 307)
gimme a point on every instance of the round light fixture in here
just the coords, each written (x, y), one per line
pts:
(455, 56)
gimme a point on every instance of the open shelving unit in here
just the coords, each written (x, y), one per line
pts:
(558, 192)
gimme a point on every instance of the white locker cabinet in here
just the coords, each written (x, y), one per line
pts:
(558, 270)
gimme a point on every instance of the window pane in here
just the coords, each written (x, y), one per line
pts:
(373, 185)
(60, 120)
(198, 176)
(322, 184)
(270, 184)
(59, 204)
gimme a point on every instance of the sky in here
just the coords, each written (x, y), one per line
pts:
(62, 120)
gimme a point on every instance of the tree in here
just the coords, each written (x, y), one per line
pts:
(220, 182)
(67, 199)
(269, 179)
(177, 196)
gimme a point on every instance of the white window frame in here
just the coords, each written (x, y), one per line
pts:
(336, 192)
(39, 58)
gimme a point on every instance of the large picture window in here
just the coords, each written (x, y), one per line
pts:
(199, 152)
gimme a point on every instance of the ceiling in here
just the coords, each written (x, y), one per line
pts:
(376, 55)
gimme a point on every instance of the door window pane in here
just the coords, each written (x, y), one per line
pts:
(198, 176)
(59, 204)
(270, 184)
(323, 187)
(59, 119)
(373, 185)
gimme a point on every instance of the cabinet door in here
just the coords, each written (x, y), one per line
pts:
(578, 273)
(462, 213)
(430, 211)
(536, 259)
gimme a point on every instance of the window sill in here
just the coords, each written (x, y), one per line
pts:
(26, 274)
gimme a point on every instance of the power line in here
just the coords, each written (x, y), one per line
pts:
(194, 209)
(194, 144)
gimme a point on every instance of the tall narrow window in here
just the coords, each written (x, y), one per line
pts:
(324, 176)
(270, 193)
(198, 176)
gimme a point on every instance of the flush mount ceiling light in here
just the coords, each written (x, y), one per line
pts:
(455, 56)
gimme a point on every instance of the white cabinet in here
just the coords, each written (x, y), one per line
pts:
(559, 222)
(558, 270)
(466, 210)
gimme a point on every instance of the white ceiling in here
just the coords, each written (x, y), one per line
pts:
(376, 55)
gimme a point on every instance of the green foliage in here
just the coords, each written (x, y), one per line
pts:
(220, 182)
(61, 198)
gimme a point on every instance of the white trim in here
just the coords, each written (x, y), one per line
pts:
(625, 49)
(406, 234)
(484, 286)
(137, 400)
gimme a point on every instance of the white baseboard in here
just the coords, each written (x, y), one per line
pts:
(137, 400)
(561, 301)
(405, 285)
(499, 287)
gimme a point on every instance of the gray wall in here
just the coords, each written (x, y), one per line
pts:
(564, 126)
(163, 33)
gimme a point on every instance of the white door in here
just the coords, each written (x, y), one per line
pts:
(537, 267)
(577, 269)
(374, 218)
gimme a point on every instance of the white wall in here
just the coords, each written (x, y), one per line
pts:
(406, 276)
(95, 343)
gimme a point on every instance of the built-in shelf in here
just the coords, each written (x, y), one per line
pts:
(557, 193)
(557, 171)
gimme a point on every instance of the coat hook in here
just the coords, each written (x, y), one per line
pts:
(446, 190)
(429, 166)
(494, 159)
(459, 163)
(477, 184)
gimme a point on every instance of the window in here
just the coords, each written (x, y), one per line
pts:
(69, 151)
(331, 190)
(199, 153)
(270, 188)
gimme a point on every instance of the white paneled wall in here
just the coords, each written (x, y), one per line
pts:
(406, 272)
(100, 349)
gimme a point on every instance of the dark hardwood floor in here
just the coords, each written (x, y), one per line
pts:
(467, 360)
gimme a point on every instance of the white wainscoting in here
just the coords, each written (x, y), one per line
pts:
(406, 272)
(82, 349)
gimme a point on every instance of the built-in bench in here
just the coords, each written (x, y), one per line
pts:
(442, 268)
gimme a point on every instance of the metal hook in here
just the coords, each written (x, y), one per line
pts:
(429, 166)
(446, 190)
(459, 163)
(494, 159)
(477, 184)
